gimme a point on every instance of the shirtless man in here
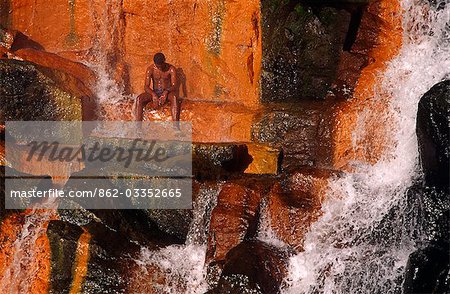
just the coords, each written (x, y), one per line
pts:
(164, 79)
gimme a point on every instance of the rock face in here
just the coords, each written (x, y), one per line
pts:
(294, 203)
(301, 49)
(378, 40)
(432, 131)
(219, 160)
(31, 92)
(63, 239)
(300, 131)
(215, 45)
(427, 271)
(234, 217)
(428, 267)
(252, 267)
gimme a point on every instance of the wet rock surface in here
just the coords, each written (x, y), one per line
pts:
(29, 92)
(433, 134)
(218, 52)
(294, 203)
(63, 238)
(253, 267)
(301, 131)
(234, 218)
(428, 267)
(219, 160)
(307, 56)
(92, 259)
(427, 270)
(302, 44)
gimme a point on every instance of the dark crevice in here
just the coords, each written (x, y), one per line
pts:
(353, 28)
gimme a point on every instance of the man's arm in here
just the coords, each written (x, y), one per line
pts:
(148, 80)
(173, 79)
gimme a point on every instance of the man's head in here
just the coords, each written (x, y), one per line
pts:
(159, 59)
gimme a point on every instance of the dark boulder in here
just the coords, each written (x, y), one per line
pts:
(96, 256)
(32, 92)
(253, 267)
(219, 160)
(433, 134)
(428, 267)
(301, 131)
(428, 270)
(302, 44)
(63, 239)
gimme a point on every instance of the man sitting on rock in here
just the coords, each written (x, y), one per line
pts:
(164, 78)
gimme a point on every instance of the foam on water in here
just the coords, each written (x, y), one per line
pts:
(184, 265)
(23, 268)
(362, 241)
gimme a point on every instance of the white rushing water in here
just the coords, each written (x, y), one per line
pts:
(184, 265)
(350, 249)
(23, 267)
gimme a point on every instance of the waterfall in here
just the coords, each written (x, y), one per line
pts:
(28, 258)
(106, 50)
(183, 266)
(107, 61)
(363, 239)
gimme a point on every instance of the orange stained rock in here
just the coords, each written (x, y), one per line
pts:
(58, 171)
(295, 204)
(81, 262)
(231, 219)
(216, 45)
(76, 69)
(384, 18)
(265, 160)
(34, 276)
(57, 25)
(211, 121)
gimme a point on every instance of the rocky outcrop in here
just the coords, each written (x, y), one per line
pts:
(427, 271)
(219, 160)
(378, 40)
(81, 72)
(218, 52)
(428, 267)
(294, 203)
(63, 239)
(215, 45)
(301, 131)
(32, 92)
(234, 218)
(302, 46)
(433, 134)
(253, 267)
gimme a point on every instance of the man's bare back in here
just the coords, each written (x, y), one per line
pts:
(163, 77)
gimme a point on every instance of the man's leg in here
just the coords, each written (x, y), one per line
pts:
(140, 102)
(174, 107)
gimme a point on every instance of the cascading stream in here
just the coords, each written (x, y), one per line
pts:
(183, 266)
(363, 239)
(29, 261)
